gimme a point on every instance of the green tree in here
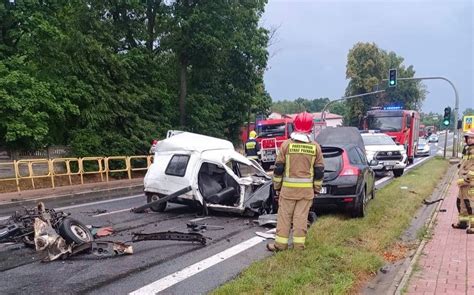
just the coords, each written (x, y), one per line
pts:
(365, 69)
(367, 66)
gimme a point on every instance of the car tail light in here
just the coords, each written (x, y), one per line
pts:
(347, 168)
(154, 141)
(347, 200)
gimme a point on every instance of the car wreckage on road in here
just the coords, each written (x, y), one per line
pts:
(208, 174)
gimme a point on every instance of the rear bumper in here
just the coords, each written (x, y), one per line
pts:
(327, 200)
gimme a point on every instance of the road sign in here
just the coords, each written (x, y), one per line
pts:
(467, 123)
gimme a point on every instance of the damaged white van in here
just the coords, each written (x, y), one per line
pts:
(220, 178)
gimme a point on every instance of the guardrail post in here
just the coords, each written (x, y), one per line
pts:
(17, 172)
(129, 168)
(51, 171)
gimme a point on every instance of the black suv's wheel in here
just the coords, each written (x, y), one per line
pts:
(155, 197)
(74, 231)
(360, 205)
(397, 172)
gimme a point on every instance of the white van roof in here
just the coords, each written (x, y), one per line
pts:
(188, 141)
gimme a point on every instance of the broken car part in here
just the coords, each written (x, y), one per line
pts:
(141, 209)
(432, 202)
(107, 249)
(194, 226)
(20, 227)
(170, 236)
(48, 243)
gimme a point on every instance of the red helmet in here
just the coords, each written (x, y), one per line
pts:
(304, 122)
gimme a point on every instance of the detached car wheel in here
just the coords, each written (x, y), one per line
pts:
(397, 172)
(360, 205)
(155, 197)
(74, 231)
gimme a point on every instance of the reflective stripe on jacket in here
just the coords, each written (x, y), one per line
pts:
(466, 167)
(299, 159)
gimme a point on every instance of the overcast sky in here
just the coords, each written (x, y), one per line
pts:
(309, 54)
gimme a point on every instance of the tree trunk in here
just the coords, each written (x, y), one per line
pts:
(150, 15)
(182, 91)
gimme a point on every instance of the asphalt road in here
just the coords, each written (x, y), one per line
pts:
(167, 266)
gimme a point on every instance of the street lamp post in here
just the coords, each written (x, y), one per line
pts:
(456, 103)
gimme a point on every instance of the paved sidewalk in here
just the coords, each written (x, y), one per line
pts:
(446, 265)
(80, 189)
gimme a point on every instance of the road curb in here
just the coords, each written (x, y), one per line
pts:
(408, 271)
(79, 197)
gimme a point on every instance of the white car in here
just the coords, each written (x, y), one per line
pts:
(423, 148)
(217, 177)
(382, 148)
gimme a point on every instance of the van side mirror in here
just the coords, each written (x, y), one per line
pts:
(373, 162)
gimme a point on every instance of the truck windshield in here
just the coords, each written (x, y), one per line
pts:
(271, 130)
(385, 123)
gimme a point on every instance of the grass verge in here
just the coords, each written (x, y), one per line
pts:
(342, 253)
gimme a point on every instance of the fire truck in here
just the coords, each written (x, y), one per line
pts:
(271, 134)
(422, 131)
(402, 125)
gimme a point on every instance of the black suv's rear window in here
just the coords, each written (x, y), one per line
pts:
(177, 165)
(332, 160)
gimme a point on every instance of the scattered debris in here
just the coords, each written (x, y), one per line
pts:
(195, 227)
(268, 234)
(404, 187)
(141, 209)
(48, 243)
(170, 236)
(100, 232)
(20, 227)
(107, 248)
(384, 269)
(95, 212)
(442, 210)
(432, 202)
(267, 219)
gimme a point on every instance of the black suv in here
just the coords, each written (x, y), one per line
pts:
(349, 181)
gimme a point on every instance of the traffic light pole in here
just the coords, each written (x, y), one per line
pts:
(456, 106)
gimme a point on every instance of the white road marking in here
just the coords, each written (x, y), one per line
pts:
(174, 278)
(88, 204)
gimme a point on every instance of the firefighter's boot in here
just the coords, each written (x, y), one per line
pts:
(273, 247)
(470, 228)
(460, 225)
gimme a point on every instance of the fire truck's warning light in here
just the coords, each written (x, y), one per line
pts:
(447, 116)
(392, 77)
(393, 107)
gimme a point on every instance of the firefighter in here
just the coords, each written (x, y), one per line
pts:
(251, 146)
(297, 177)
(465, 200)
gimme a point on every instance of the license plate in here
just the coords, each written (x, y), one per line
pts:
(324, 190)
(389, 167)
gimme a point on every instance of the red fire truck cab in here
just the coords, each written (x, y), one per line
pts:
(271, 134)
(402, 125)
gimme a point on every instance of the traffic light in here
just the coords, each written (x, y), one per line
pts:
(392, 78)
(447, 116)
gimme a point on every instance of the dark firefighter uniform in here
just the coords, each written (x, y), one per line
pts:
(298, 176)
(465, 200)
